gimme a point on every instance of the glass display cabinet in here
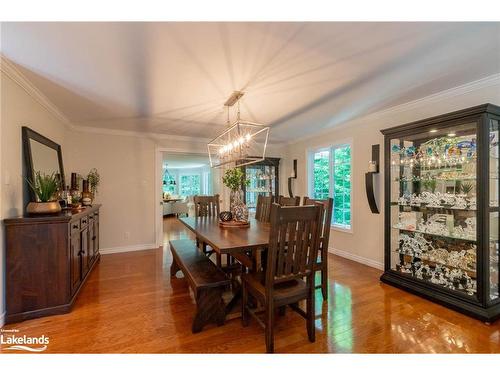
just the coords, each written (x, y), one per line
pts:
(441, 209)
(264, 180)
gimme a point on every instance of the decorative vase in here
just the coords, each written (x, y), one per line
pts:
(238, 208)
(43, 207)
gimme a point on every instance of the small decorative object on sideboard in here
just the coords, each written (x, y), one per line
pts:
(86, 194)
(225, 216)
(234, 179)
(44, 188)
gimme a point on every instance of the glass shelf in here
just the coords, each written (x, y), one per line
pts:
(470, 271)
(435, 234)
(433, 207)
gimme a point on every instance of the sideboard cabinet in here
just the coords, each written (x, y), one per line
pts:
(48, 259)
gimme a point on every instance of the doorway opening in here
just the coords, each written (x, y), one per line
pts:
(183, 176)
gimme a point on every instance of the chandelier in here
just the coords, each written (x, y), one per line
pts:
(242, 143)
(168, 178)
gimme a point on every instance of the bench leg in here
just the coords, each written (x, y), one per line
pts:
(209, 308)
(173, 268)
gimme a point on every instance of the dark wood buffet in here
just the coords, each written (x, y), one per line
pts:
(48, 259)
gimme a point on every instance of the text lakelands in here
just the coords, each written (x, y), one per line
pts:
(24, 340)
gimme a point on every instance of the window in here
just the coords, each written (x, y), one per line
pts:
(331, 177)
(190, 184)
(169, 184)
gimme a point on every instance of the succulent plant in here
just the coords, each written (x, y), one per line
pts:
(44, 186)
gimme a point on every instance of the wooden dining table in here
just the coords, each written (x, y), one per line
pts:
(243, 244)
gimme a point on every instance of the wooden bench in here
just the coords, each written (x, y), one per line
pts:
(206, 280)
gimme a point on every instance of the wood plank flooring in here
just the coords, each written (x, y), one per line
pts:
(130, 305)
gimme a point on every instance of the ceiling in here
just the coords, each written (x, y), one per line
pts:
(173, 78)
(180, 161)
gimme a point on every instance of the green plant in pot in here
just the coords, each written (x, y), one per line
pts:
(466, 188)
(93, 179)
(45, 189)
(234, 179)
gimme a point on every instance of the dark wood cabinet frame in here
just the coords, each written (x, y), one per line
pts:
(272, 162)
(479, 306)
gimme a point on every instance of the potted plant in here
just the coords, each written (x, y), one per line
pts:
(93, 179)
(466, 188)
(234, 179)
(45, 188)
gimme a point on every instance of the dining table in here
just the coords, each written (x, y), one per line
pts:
(245, 244)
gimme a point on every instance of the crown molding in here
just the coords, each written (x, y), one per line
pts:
(10, 70)
(492, 80)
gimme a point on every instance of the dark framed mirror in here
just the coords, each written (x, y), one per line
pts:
(41, 154)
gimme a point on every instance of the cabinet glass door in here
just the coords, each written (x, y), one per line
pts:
(262, 182)
(433, 207)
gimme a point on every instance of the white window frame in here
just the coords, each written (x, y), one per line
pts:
(310, 177)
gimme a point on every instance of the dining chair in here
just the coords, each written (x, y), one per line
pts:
(321, 263)
(288, 201)
(207, 205)
(263, 209)
(293, 240)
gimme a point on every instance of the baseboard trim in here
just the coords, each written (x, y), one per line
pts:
(357, 258)
(2, 319)
(126, 249)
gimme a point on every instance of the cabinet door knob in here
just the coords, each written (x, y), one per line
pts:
(75, 226)
(93, 238)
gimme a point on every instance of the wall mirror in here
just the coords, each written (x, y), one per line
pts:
(41, 154)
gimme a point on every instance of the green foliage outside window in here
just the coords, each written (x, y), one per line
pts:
(321, 172)
(190, 185)
(340, 187)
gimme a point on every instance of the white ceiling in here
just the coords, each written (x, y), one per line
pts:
(173, 78)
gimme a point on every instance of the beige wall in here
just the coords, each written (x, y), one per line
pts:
(19, 109)
(365, 243)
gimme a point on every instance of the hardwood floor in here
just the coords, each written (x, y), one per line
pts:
(130, 305)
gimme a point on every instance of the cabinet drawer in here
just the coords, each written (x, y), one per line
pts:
(84, 222)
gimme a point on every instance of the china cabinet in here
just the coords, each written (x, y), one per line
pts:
(441, 209)
(264, 180)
